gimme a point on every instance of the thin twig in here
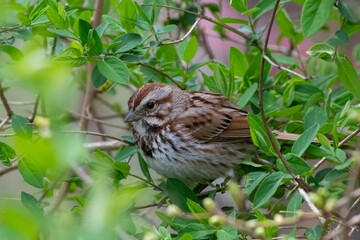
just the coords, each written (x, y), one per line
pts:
(311, 205)
(3, 122)
(301, 183)
(105, 146)
(146, 181)
(95, 134)
(162, 73)
(345, 140)
(8, 169)
(5, 102)
(185, 36)
(284, 68)
(36, 105)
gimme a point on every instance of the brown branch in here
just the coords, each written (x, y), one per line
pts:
(33, 115)
(8, 169)
(5, 102)
(301, 183)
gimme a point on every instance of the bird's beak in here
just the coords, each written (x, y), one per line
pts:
(132, 116)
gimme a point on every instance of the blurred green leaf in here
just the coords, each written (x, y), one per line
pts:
(313, 233)
(144, 168)
(350, 10)
(12, 51)
(122, 170)
(232, 20)
(270, 232)
(31, 172)
(321, 50)
(125, 153)
(294, 205)
(340, 38)
(314, 15)
(303, 142)
(178, 193)
(21, 126)
(323, 140)
(114, 69)
(289, 95)
(31, 203)
(240, 5)
(348, 75)
(6, 154)
(267, 188)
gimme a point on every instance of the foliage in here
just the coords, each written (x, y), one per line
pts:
(60, 56)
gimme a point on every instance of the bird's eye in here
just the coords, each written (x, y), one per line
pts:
(150, 105)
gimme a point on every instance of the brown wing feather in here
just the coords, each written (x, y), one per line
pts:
(211, 117)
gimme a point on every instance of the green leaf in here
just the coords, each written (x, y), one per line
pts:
(38, 10)
(178, 193)
(84, 28)
(31, 203)
(94, 43)
(127, 42)
(127, 12)
(296, 164)
(232, 20)
(144, 168)
(125, 153)
(315, 14)
(159, 30)
(315, 115)
(238, 62)
(259, 136)
(187, 49)
(321, 50)
(247, 95)
(12, 51)
(97, 78)
(341, 38)
(267, 188)
(289, 95)
(323, 140)
(239, 5)
(186, 236)
(270, 232)
(287, 27)
(253, 179)
(303, 142)
(286, 112)
(350, 9)
(348, 75)
(58, 16)
(313, 233)
(195, 207)
(122, 170)
(294, 205)
(114, 69)
(6, 154)
(24, 19)
(21, 126)
(223, 235)
(63, 33)
(31, 173)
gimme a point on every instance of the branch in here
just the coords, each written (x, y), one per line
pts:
(33, 115)
(8, 169)
(301, 183)
(5, 102)
(108, 145)
(284, 68)
(185, 36)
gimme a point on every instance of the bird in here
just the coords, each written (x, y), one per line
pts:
(195, 136)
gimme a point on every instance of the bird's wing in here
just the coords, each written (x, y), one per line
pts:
(211, 117)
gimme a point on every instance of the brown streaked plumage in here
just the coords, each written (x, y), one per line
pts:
(192, 136)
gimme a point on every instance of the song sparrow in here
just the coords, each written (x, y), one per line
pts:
(192, 136)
